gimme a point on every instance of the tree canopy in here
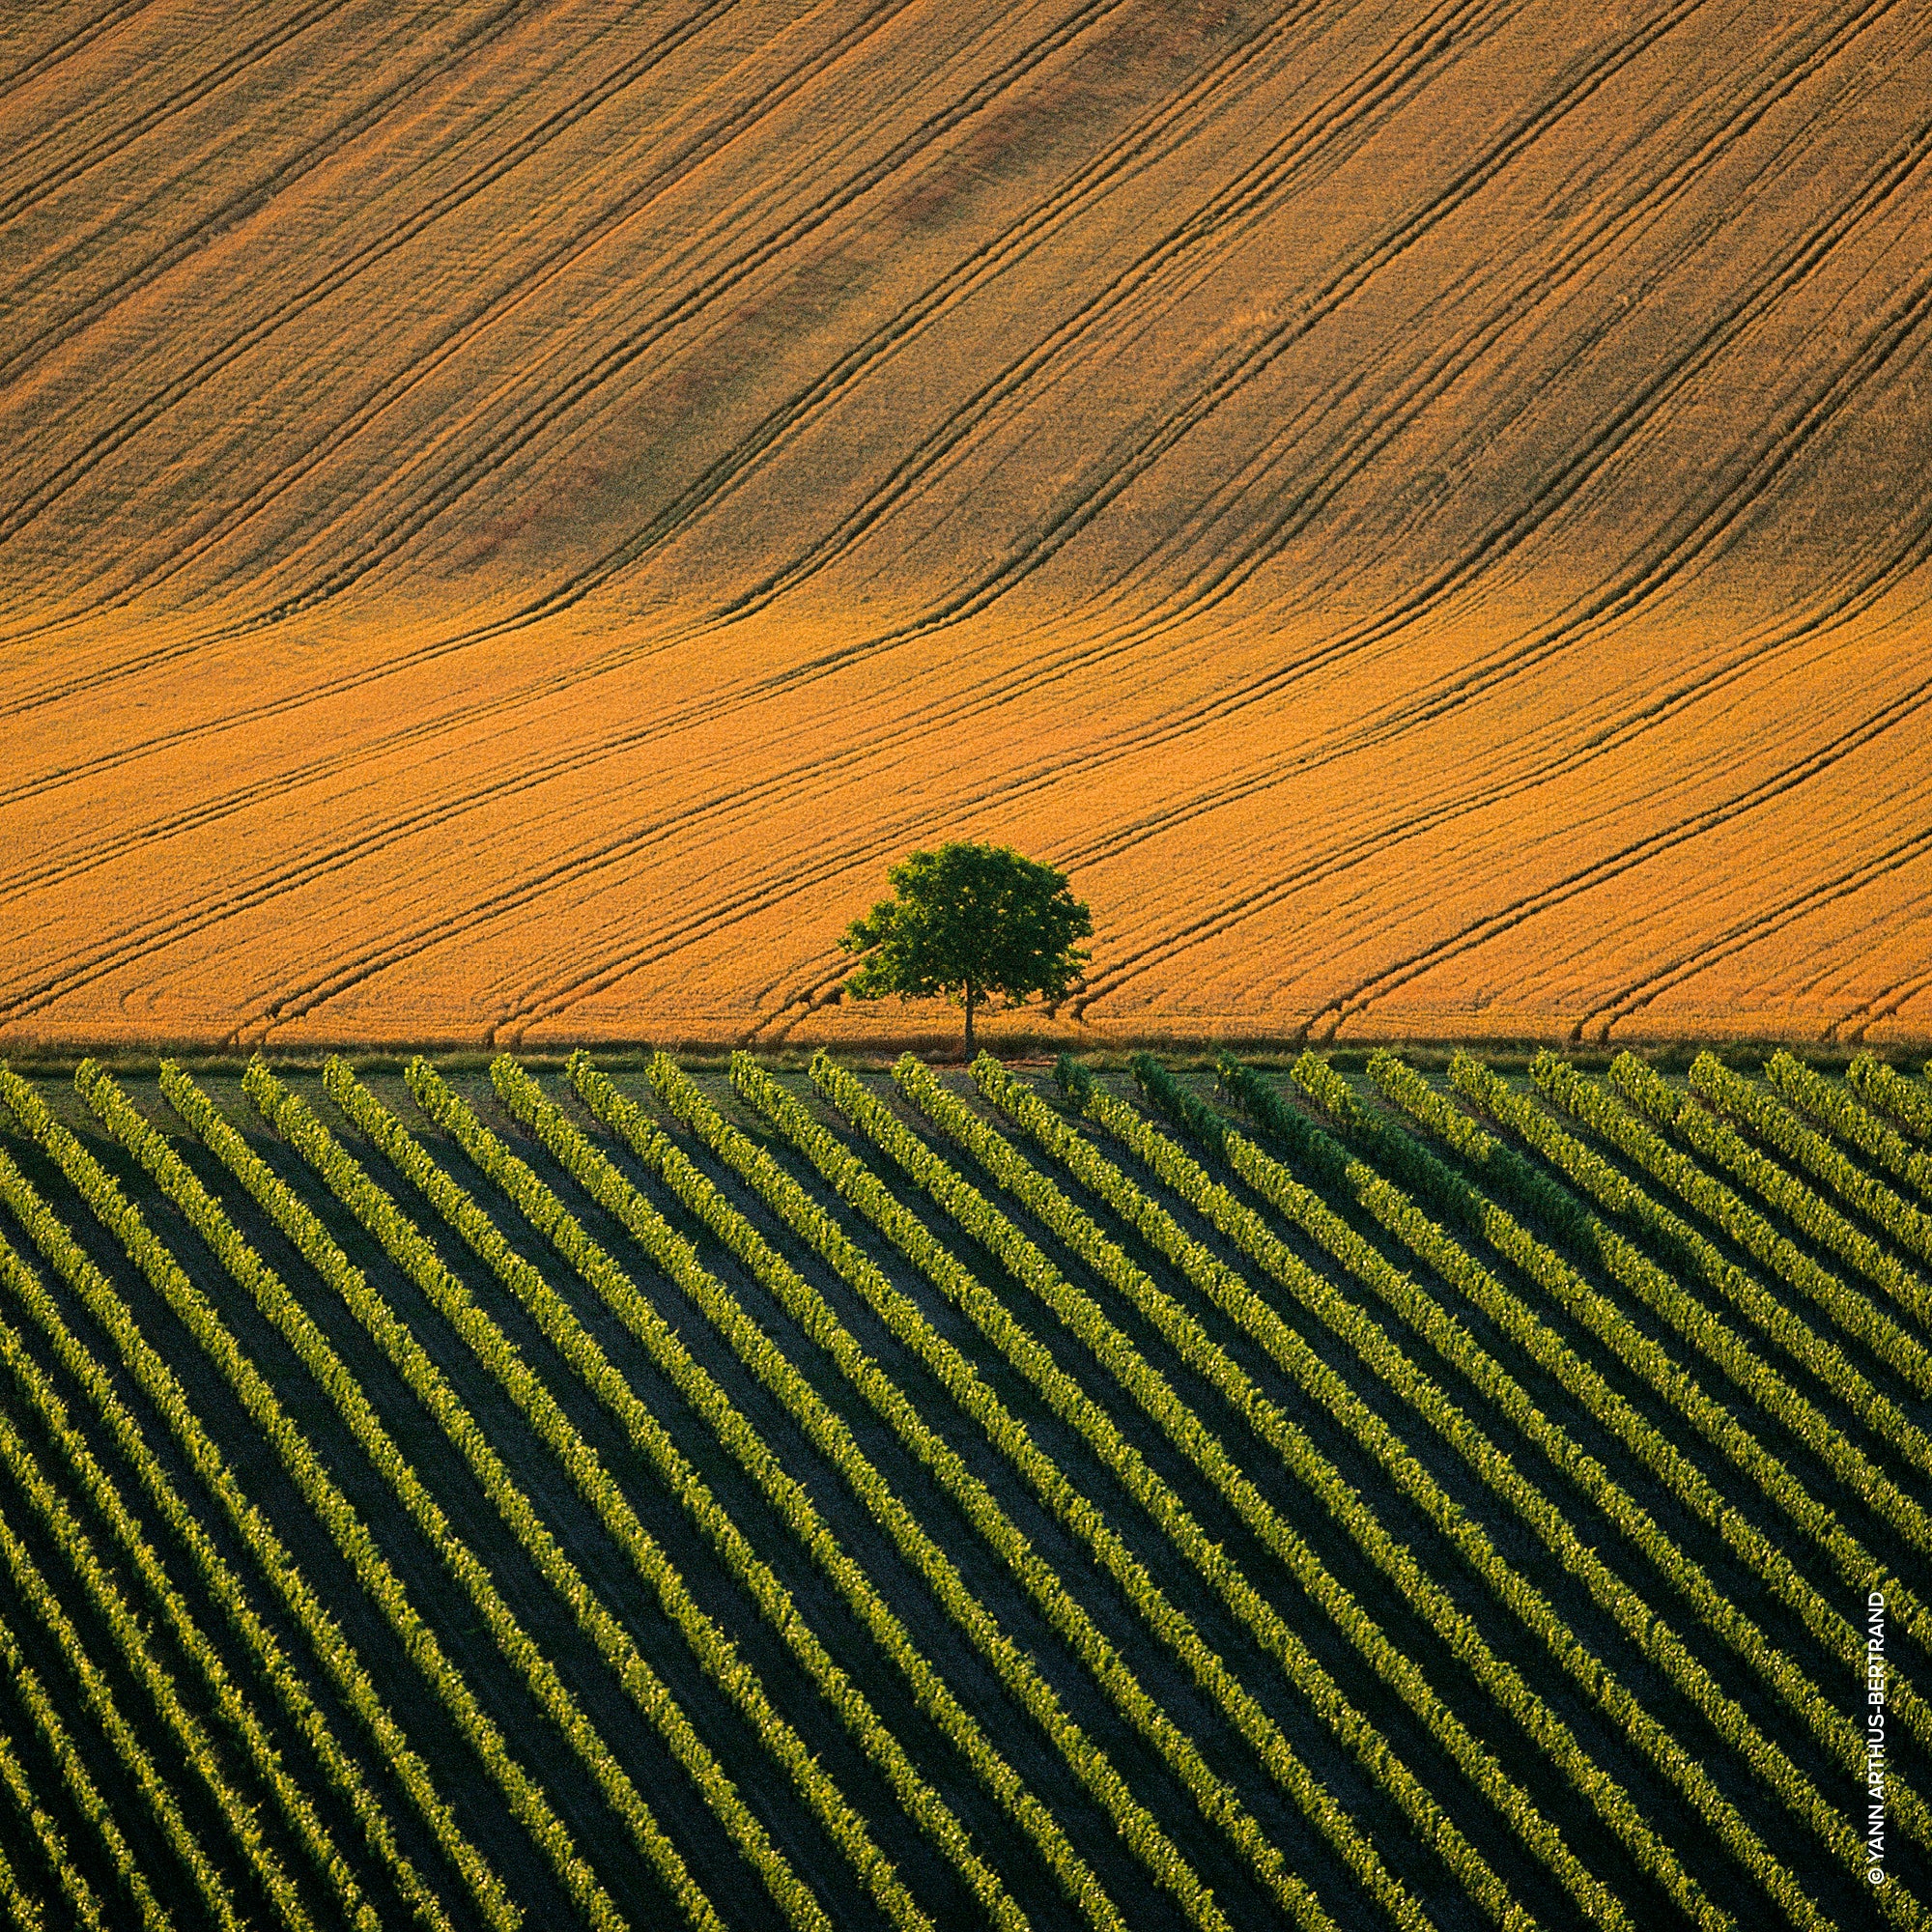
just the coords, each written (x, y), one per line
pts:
(970, 922)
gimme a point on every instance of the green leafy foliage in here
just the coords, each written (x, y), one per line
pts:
(970, 922)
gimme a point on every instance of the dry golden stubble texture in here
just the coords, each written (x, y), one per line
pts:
(511, 517)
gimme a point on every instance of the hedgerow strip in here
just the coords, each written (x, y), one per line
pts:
(1394, 1151)
(921, 1803)
(33, 1590)
(1719, 1088)
(1599, 1112)
(81, 1788)
(1907, 1101)
(1647, 1091)
(338, 1658)
(1227, 1289)
(1688, 1251)
(231, 1704)
(187, 1734)
(977, 1502)
(1826, 1100)
(527, 1800)
(716, 1655)
(673, 1255)
(1513, 1179)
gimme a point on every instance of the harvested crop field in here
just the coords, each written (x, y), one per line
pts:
(512, 515)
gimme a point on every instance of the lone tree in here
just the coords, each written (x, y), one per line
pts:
(969, 921)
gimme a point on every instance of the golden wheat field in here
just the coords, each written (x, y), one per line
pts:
(513, 515)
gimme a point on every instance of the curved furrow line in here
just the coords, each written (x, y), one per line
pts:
(666, 171)
(1319, 144)
(781, 786)
(1852, 1027)
(1718, 525)
(565, 596)
(1122, 745)
(82, 36)
(540, 412)
(762, 896)
(1155, 131)
(120, 948)
(241, 207)
(1108, 756)
(461, 641)
(1087, 500)
(1600, 871)
(332, 281)
(1368, 439)
(126, 133)
(905, 726)
(1814, 417)
(713, 921)
(1149, 140)
(1584, 617)
(1315, 146)
(1383, 839)
(1167, 127)
(533, 409)
(536, 416)
(557, 999)
(1739, 938)
(1757, 652)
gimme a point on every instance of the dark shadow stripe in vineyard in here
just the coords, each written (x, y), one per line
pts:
(1148, 1500)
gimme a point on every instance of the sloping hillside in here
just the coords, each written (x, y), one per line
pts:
(512, 515)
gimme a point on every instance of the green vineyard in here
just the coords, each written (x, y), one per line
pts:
(1180, 1497)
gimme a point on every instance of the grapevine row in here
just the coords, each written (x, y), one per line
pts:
(1646, 1090)
(81, 1788)
(1082, 1317)
(674, 1256)
(233, 1707)
(1905, 1101)
(1225, 1287)
(921, 1803)
(317, 1486)
(1826, 1101)
(1714, 1083)
(24, 1911)
(977, 1502)
(318, 1356)
(1681, 1244)
(293, 1119)
(1587, 1102)
(804, 1303)
(186, 1731)
(68, 1875)
(581, 1349)
(99, 1697)
(344, 1668)
(1396, 1151)
(1513, 1179)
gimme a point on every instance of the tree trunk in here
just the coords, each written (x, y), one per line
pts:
(969, 1023)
